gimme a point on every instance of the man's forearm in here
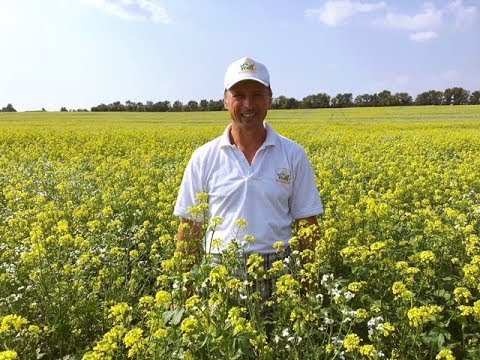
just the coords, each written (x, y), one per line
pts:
(189, 237)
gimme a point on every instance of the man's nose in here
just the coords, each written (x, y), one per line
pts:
(248, 101)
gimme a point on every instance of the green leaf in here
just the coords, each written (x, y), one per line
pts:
(177, 317)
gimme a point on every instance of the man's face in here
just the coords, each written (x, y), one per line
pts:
(247, 102)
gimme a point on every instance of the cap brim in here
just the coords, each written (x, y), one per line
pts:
(247, 78)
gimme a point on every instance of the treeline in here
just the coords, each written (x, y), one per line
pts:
(451, 96)
(8, 108)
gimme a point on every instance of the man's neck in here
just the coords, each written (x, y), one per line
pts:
(248, 140)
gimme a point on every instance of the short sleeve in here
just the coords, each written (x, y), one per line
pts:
(305, 200)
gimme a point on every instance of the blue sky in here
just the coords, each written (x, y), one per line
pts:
(80, 53)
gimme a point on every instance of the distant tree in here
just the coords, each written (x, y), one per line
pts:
(203, 105)
(402, 99)
(192, 105)
(385, 98)
(43, 109)
(474, 98)
(342, 100)
(149, 106)
(431, 97)
(320, 100)
(366, 100)
(216, 105)
(130, 106)
(8, 108)
(101, 107)
(279, 102)
(116, 106)
(63, 108)
(456, 96)
(177, 106)
(163, 106)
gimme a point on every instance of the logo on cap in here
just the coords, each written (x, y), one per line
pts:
(248, 66)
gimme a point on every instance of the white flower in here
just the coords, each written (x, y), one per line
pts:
(285, 333)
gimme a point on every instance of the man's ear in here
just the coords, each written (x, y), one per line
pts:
(225, 102)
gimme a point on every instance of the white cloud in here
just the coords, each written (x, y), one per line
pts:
(423, 36)
(425, 24)
(334, 13)
(136, 10)
(464, 15)
(430, 17)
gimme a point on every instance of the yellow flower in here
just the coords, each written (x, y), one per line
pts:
(255, 265)
(387, 329)
(215, 222)
(418, 316)
(134, 341)
(12, 322)
(427, 257)
(8, 355)
(378, 246)
(400, 290)
(192, 302)
(160, 334)
(163, 299)
(120, 312)
(329, 348)
(188, 324)
(279, 246)
(351, 342)
(356, 286)
(218, 275)
(465, 310)
(361, 314)
(134, 254)
(369, 351)
(241, 224)
(445, 354)
(249, 239)
(476, 310)
(400, 265)
(462, 295)
(34, 329)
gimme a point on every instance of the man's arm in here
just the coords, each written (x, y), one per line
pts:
(307, 238)
(189, 237)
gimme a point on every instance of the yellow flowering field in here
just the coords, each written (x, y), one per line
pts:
(87, 236)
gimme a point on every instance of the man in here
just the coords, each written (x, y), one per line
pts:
(250, 172)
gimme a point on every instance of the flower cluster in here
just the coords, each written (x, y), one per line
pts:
(89, 267)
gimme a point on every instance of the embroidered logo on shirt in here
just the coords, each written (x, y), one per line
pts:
(283, 176)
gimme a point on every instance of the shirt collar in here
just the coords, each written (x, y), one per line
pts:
(270, 140)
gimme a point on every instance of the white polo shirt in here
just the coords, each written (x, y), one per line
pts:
(277, 188)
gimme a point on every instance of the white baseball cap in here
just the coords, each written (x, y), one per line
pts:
(246, 69)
